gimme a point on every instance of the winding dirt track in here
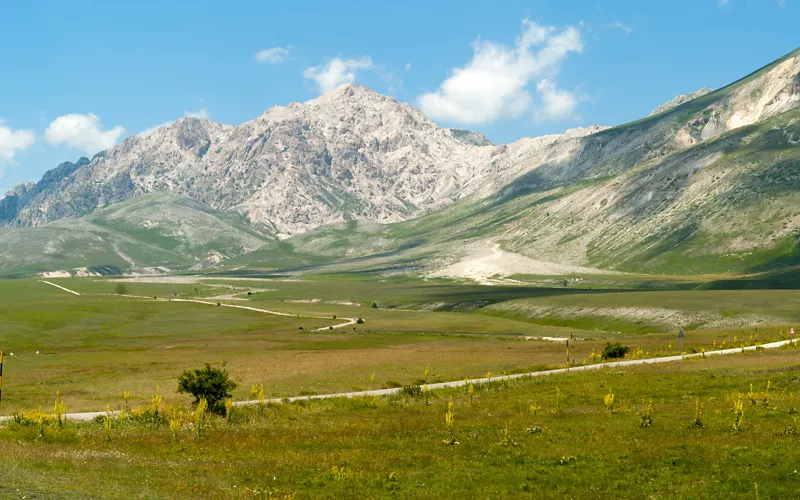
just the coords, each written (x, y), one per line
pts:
(443, 385)
(73, 292)
(350, 321)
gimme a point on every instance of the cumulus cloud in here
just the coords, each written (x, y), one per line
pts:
(556, 103)
(336, 72)
(13, 141)
(84, 132)
(495, 83)
(273, 55)
(408, 66)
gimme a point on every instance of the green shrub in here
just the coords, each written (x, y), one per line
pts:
(615, 350)
(209, 383)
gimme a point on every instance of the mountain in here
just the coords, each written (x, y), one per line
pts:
(350, 154)
(710, 185)
(358, 181)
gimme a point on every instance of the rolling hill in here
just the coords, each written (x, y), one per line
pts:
(159, 232)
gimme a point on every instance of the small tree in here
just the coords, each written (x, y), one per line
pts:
(120, 289)
(615, 350)
(209, 383)
(374, 305)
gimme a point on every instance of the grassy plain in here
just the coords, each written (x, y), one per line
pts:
(551, 437)
(94, 346)
(562, 440)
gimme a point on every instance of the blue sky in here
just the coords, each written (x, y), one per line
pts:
(77, 76)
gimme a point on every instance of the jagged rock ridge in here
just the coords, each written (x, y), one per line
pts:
(677, 101)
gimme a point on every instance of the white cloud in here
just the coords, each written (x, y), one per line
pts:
(336, 72)
(203, 114)
(274, 55)
(620, 26)
(495, 82)
(557, 103)
(82, 132)
(13, 141)
(408, 67)
(395, 83)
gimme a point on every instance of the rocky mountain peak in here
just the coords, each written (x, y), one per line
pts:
(677, 101)
(192, 135)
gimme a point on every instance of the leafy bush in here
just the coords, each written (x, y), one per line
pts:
(209, 383)
(615, 350)
(120, 289)
(374, 305)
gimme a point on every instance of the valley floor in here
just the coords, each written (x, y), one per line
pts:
(565, 435)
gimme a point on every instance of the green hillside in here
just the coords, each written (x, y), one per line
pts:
(157, 230)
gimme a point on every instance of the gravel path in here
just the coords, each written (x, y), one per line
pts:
(350, 321)
(73, 292)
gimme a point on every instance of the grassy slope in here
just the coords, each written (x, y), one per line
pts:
(160, 229)
(657, 311)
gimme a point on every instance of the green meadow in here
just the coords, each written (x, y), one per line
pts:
(668, 432)
(552, 436)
